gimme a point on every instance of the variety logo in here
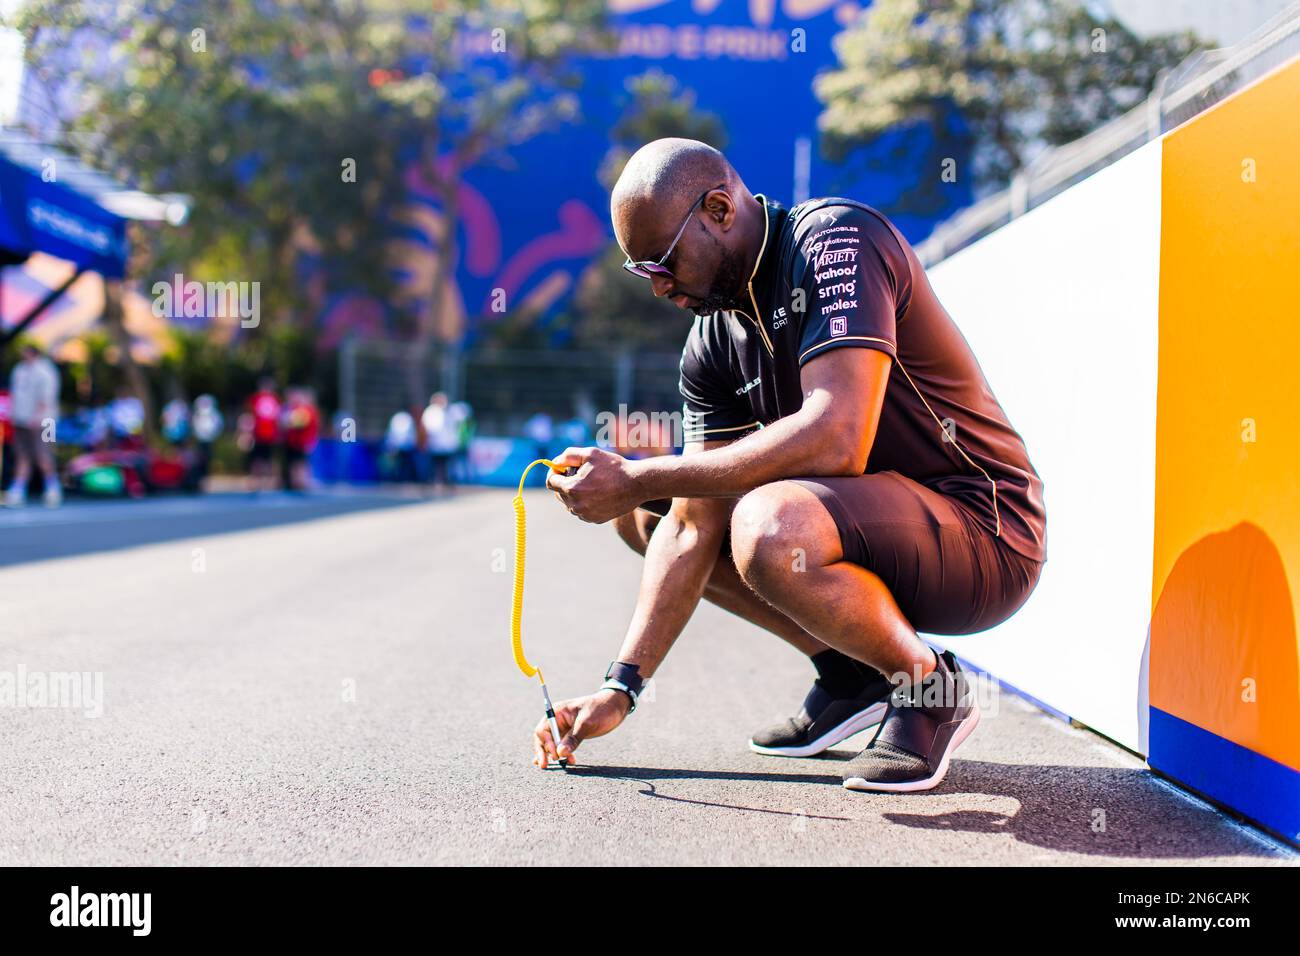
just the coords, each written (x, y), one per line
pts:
(836, 257)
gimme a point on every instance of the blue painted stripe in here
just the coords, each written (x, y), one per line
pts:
(1255, 786)
(1011, 688)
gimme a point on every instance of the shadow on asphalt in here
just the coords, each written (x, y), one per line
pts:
(1058, 807)
(1108, 811)
(644, 776)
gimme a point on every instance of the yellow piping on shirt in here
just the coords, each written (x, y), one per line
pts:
(849, 338)
(729, 428)
(757, 317)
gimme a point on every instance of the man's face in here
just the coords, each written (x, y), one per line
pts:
(707, 274)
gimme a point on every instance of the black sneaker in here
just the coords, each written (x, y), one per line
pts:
(914, 742)
(824, 720)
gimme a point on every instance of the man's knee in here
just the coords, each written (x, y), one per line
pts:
(779, 529)
(635, 528)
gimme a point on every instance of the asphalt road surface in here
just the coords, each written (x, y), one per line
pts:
(329, 681)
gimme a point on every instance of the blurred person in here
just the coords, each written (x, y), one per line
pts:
(174, 422)
(261, 426)
(573, 431)
(97, 433)
(6, 435)
(833, 412)
(441, 422)
(301, 429)
(34, 409)
(464, 414)
(126, 419)
(401, 441)
(540, 430)
(206, 423)
(422, 469)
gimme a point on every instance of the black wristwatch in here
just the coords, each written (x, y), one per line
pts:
(625, 678)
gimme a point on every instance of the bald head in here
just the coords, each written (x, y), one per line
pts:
(670, 172)
(652, 200)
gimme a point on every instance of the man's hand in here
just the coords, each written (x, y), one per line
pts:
(592, 716)
(603, 488)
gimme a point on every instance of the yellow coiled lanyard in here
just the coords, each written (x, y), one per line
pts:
(517, 605)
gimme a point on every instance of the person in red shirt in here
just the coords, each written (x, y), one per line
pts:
(300, 425)
(6, 433)
(263, 424)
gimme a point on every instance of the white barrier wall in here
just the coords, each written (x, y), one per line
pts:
(1061, 308)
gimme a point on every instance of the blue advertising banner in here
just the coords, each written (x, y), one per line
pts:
(527, 231)
(37, 215)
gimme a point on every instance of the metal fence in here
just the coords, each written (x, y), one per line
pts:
(504, 387)
(1195, 85)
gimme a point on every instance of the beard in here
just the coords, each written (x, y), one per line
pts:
(726, 286)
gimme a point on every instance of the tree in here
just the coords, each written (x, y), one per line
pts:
(614, 307)
(1021, 74)
(289, 123)
(657, 106)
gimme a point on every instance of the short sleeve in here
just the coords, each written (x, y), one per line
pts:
(711, 409)
(855, 279)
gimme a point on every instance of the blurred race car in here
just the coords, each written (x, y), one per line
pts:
(133, 473)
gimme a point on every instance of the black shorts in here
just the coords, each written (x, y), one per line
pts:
(948, 573)
(261, 451)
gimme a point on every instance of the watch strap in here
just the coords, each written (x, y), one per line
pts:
(624, 677)
(618, 685)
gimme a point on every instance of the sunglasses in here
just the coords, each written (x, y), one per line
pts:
(645, 268)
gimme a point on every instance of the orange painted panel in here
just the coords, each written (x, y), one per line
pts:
(1227, 524)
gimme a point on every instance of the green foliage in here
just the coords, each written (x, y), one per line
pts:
(658, 106)
(260, 112)
(618, 309)
(1024, 74)
(199, 364)
(96, 378)
(612, 307)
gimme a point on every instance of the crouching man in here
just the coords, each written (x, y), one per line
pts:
(848, 479)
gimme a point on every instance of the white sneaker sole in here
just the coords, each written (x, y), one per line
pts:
(855, 724)
(928, 783)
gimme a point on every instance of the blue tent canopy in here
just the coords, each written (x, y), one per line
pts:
(48, 203)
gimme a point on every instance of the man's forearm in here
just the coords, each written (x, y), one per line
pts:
(678, 561)
(794, 445)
